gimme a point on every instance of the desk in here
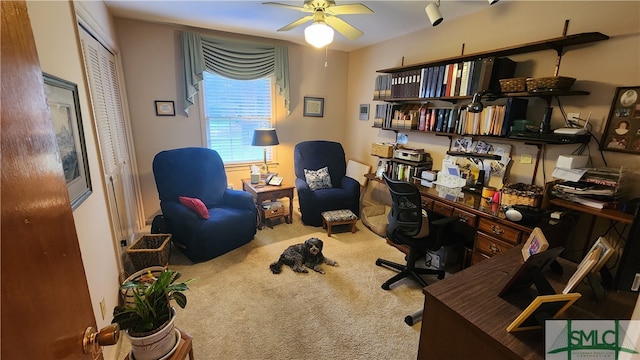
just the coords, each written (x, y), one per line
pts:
(492, 232)
(262, 193)
(465, 319)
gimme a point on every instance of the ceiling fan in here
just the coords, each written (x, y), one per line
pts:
(325, 12)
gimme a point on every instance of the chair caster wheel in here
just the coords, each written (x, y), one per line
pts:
(385, 286)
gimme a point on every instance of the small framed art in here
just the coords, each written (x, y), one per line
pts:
(535, 243)
(165, 108)
(543, 307)
(313, 106)
(622, 132)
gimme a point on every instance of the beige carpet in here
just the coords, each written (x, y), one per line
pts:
(238, 309)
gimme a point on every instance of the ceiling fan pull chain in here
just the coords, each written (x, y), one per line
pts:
(326, 52)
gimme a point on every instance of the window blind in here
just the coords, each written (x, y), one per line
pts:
(233, 110)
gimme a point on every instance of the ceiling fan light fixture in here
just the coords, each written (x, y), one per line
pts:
(318, 34)
(433, 13)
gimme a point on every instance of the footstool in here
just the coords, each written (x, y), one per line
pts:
(338, 217)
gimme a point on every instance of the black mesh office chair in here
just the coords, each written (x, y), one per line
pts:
(407, 227)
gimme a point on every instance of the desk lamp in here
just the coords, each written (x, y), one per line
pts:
(264, 138)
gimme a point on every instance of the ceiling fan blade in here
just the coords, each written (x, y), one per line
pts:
(298, 22)
(343, 27)
(348, 9)
(293, 7)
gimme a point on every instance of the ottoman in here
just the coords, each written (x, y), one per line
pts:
(338, 217)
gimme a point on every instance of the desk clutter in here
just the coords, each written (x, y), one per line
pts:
(600, 188)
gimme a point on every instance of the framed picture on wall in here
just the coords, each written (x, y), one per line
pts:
(165, 108)
(622, 132)
(313, 106)
(64, 105)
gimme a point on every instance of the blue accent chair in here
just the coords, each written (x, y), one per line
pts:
(199, 173)
(345, 191)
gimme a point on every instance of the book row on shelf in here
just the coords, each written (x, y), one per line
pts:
(402, 171)
(448, 80)
(494, 120)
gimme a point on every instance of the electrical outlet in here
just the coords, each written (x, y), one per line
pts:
(573, 116)
(103, 308)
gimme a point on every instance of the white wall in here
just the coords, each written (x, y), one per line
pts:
(599, 68)
(55, 32)
(151, 56)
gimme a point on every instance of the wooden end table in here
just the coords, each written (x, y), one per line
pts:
(262, 193)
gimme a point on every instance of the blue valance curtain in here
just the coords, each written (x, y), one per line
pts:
(232, 59)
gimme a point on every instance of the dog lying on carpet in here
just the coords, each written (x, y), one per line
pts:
(302, 256)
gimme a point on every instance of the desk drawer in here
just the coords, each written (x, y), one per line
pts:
(490, 246)
(500, 231)
(427, 203)
(442, 208)
(477, 257)
(465, 217)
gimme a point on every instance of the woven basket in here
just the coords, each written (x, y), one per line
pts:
(553, 83)
(521, 194)
(513, 85)
(127, 295)
(150, 250)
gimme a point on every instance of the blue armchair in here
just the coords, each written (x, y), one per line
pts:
(343, 192)
(199, 173)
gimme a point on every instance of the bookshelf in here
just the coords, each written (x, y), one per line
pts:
(412, 80)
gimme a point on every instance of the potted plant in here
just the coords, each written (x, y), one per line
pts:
(149, 318)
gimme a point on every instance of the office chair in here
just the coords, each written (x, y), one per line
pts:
(408, 227)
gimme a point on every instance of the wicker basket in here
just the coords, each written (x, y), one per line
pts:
(127, 295)
(553, 83)
(521, 194)
(150, 250)
(513, 85)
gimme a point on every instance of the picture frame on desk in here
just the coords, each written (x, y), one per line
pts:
(622, 131)
(543, 307)
(536, 243)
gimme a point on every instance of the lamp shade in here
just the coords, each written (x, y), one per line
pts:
(318, 34)
(265, 137)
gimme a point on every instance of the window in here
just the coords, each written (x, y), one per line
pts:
(232, 110)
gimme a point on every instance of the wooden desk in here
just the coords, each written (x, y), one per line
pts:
(184, 348)
(465, 319)
(262, 193)
(487, 225)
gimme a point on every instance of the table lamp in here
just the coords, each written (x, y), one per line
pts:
(264, 138)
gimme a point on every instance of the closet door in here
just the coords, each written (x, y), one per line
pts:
(114, 146)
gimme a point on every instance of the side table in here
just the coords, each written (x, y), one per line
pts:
(262, 193)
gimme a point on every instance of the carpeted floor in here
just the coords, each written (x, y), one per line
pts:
(238, 309)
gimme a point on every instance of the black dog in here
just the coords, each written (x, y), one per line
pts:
(299, 256)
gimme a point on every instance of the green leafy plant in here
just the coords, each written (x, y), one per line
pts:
(151, 306)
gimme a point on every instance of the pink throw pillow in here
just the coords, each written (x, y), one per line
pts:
(196, 205)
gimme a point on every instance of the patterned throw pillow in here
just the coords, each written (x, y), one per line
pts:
(318, 179)
(196, 205)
